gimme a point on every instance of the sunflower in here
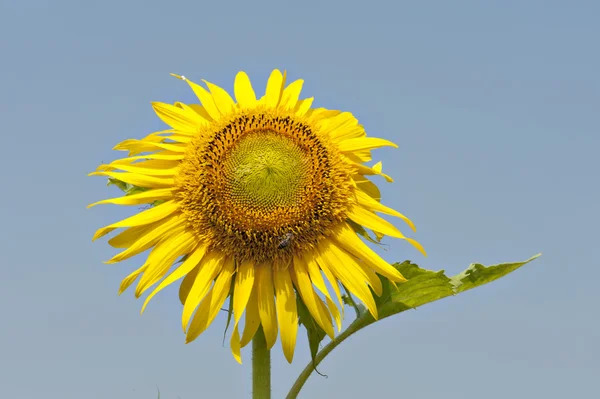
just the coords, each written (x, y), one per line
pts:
(259, 201)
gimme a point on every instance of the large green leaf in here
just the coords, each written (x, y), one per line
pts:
(426, 286)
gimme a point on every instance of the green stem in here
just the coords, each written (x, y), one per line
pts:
(364, 320)
(261, 367)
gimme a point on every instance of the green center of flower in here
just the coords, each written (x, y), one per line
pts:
(265, 170)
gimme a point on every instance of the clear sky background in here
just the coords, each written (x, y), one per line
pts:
(494, 104)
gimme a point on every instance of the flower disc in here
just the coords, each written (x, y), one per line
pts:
(262, 176)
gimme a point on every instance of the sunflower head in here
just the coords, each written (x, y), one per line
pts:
(261, 201)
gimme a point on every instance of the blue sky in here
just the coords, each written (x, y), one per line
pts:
(494, 106)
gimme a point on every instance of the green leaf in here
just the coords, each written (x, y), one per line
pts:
(314, 332)
(347, 300)
(121, 185)
(426, 286)
(423, 286)
(478, 274)
(135, 190)
(130, 189)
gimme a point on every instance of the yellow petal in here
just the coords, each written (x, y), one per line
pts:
(162, 257)
(244, 281)
(210, 266)
(236, 347)
(346, 271)
(315, 275)
(146, 217)
(365, 170)
(366, 201)
(252, 319)
(362, 156)
(158, 164)
(290, 95)
(223, 100)
(164, 155)
(378, 166)
(334, 284)
(317, 279)
(210, 306)
(221, 289)
(157, 137)
(309, 297)
(187, 283)
(348, 239)
(144, 197)
(204, 96)
(127, 281)
(266, 304)
(166, 229)
(182, 270)
(369, 275)
(200, 110)
(166, 159)
(322, 113)
(335, 313)
(152, 168)
(138, 146)
(355, 159)
(303, 106)
(371, 221)
(339, 124)
(287, 314)
(283, 81)
(358, 268)
(355, 132)
(177, 118)
(364, 143)
(367, 186)
(194, 108)
(179, 138)
(244, 298)
(274, 87)
(244, 93)
(127, 237)
(171, 134)
(138, 180)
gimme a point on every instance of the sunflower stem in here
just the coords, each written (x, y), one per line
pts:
(261, 367)
(364, 320)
